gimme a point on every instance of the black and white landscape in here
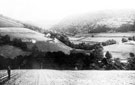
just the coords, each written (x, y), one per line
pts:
(67, 43)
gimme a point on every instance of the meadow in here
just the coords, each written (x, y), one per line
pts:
(118, 50)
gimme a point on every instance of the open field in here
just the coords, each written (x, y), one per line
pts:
(100, 37)
(55, 77)
(120, 50)
(107, 34)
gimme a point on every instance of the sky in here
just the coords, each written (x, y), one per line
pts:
(56, 10)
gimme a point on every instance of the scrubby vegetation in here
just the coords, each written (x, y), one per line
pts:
(109, 42)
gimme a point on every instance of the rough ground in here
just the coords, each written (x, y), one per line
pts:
(54, 77)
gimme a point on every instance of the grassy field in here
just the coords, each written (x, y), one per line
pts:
(43, 43)
(100, 37)
(57, 77)
(9, 51)
(118, 50)
(107, 34)
(23, 33)
(7, 22)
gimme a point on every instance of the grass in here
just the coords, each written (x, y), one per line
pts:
(118, 50)
(6, 22)
(43, 43)
(11, 51)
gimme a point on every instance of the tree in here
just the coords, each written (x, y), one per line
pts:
(124, 40)
(108, 55)
(98, 52)
(131, 62)
(132, 54)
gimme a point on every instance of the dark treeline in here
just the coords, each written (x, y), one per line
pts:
(76, 60)
(85, 46)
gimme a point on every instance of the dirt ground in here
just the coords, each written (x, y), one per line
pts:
(55, 77)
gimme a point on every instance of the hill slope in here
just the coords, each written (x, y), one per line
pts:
(102, 21)
(43, 43)
(7, 22)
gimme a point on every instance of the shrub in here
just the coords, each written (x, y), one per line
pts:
(108, 55)
(124, 40)
(108, 42)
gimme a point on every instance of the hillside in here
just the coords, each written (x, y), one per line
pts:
(9, 51)
(43, 43)
(101, 21)
(8, 22)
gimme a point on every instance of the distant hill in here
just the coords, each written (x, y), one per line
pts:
(8, 22)
(102, 21)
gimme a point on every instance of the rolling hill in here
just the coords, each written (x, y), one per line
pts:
(8, 22)
(27, 33)
(43, 43)
(96, 22)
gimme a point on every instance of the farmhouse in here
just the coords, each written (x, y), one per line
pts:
(29, 40)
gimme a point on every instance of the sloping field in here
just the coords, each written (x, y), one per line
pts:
(120, 50)
(23, 33)
(53, 46)
(6, 22)
(43, 43)
(11, 51)
(53, 77)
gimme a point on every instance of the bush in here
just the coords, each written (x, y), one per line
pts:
(131, 63)
(108, 55)
(124, 40)
(108, 42)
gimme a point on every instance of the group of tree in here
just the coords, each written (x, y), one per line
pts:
(131, 38)
(109, 42)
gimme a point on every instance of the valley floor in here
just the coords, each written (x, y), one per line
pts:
(56, 77)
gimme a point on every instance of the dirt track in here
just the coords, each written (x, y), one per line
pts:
(53, 77)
